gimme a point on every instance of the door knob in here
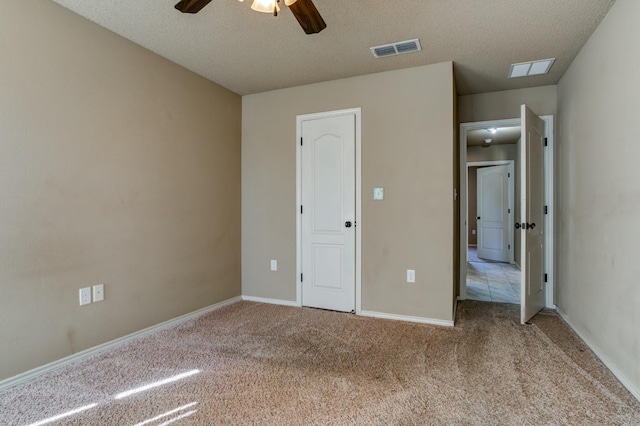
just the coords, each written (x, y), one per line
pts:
(478, 217)
(525, 225)
(347, 224)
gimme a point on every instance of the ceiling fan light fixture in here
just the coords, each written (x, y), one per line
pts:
(265, 6)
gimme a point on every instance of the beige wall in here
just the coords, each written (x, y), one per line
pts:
(599, 191)
(117, 167)
(493, 153)
(472, 205)
(407, 148)
(503, 105)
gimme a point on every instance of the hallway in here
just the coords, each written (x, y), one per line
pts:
(490, 281)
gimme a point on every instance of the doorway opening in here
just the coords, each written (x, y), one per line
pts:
(493, 274)
(478, 268)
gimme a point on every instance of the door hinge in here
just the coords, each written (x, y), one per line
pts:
(300, 141)
(508, 174)
(509, 247)
(509, 211)
(300, 209)
(546, 141)
(301, 278)
(546, 209)
(545, 278)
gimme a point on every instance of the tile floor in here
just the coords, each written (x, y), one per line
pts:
(492, 281)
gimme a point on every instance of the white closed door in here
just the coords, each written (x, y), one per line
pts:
(493, 213)
(533, 288)
(328, 213)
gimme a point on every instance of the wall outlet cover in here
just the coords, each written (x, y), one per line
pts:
(85, 296)
(98, 293)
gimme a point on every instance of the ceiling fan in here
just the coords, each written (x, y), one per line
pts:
(304, 10)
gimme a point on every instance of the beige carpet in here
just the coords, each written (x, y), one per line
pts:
(252, 363)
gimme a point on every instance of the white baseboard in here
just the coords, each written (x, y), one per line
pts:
(407, 318)
(28, 375)
(271, 301)
(362, 313)
(606, 361)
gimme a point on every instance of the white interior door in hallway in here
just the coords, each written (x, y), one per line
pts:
(328, 216)
(494, 212)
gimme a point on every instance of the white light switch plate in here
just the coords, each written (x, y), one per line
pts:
(274, 265)
(378, 194)
(411, 276)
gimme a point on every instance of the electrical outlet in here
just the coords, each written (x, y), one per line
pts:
(85, 296)
(473, 232)
(274, 265)
(411, 276)
(98, 293)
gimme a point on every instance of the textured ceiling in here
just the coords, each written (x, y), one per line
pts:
(503, 136)
(249, 52)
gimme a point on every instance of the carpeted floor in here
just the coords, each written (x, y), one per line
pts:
(253, 363)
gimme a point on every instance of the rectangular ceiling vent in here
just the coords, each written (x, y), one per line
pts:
(526, 69)
(398, 48)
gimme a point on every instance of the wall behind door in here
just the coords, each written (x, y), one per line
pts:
(407, 148)
(472, 206)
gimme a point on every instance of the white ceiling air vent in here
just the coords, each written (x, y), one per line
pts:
(525, 69)
(398, 48)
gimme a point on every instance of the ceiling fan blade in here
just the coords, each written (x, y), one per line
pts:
(307, 15)
(191, 6)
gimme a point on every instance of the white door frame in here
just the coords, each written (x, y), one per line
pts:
(357, 112)
(549, 197)
(511, 199)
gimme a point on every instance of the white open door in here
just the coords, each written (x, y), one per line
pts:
(328, 237)
(531, 225)
(493, 213)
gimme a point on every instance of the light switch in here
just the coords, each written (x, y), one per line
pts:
(378, 194)
(411, 275)
(274, 265)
